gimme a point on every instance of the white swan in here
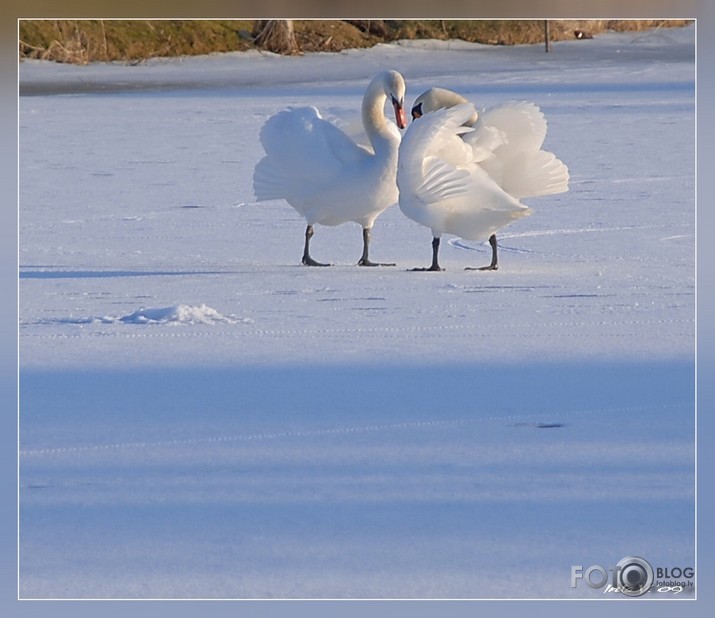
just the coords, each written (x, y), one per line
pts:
(505, 143)
(324, 174)
(441, 185)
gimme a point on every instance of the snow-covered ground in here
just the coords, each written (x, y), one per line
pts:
(201, 416)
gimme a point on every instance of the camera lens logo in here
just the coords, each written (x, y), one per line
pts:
(634, 576)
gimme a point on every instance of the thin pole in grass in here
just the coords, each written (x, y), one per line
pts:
(547, 36)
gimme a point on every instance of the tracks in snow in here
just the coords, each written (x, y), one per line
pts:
(245, 330)
(534, 420)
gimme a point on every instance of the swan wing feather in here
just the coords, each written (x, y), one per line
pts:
(522, 122)
(290, 135)
(507, 144)
(530, 173)
(433, 156)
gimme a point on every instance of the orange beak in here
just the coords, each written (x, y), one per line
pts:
(400, 117)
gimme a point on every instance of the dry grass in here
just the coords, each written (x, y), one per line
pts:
(132, 41)
(82, 41)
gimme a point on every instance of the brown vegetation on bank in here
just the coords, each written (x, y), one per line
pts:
(133, 41)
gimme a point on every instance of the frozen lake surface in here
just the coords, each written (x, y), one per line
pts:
(203, 417)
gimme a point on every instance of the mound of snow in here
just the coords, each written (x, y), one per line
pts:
(177, 314)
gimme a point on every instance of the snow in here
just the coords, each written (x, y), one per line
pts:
(203, 417)
(177, 314)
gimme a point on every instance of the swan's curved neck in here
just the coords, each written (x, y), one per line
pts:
(382, 136)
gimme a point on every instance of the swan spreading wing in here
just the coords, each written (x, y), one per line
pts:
(323, 173)
(441, 185)
(507, 142)
(433, 158)
(506, 163)
(304, 153)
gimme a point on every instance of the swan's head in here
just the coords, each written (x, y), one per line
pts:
(438, 98)
(394, 87)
